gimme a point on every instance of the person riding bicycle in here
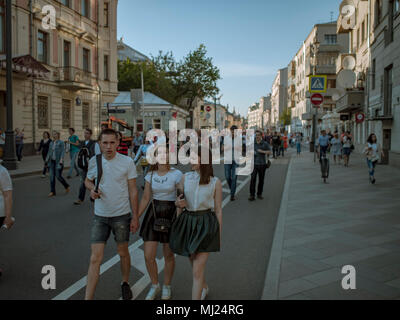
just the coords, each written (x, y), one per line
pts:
(323, 143)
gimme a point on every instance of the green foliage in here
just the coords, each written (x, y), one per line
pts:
(286, 117)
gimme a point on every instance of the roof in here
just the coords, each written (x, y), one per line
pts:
(125, 52)
(150, 99)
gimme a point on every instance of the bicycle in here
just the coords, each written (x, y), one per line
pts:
(324, 162)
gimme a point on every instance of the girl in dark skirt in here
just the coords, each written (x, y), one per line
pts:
(197, 230)
(160, 190)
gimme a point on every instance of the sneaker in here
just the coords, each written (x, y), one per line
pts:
(126, 291)
(166, 293)
(205, 293)
(78, 203)
(252, 198)
(153, 292)
(67, 190)
(373, 181)
(51, 195)
(233, 198)
(260, 197)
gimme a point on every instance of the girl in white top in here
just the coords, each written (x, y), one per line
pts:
(197, 230)
(161, 185)
(373, 151)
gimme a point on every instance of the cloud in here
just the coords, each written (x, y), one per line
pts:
(231, 70)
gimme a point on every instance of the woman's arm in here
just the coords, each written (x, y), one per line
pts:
(145, 199)
(218, 204)
(180, 204)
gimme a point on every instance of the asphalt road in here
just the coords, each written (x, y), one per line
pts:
(57, 233)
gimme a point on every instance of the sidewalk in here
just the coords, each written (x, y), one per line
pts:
(33, 165)
(322, 228)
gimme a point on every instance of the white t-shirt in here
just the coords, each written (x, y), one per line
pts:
(164, 187)
(114, 201)
(5, 185)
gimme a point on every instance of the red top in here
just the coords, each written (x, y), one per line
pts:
(123, 148)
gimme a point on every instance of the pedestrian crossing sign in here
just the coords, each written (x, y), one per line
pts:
(318, 84)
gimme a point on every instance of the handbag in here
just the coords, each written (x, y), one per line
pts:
(160, 224)
(269, 164)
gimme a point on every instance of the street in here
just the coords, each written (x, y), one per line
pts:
(57, 233)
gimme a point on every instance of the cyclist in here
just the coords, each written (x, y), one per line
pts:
(324, 144)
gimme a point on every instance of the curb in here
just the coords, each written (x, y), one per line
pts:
(29, 174)
(271, 283)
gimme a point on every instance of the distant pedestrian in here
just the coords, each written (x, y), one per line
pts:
(197, 230)
(323, 143)
(73, 142)
(298, 140)
(123, 148)
(373, 152)
(55, 161)
(44, 150)
(347, 148)
(276, 144)
(6, 200)
(336, 148)
(86, 152)
(261, 151)
(230, 168)
(116, 197)
(19, 143)
(137, 142)
(160, 191)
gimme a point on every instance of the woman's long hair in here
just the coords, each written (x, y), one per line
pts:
(206, 170)
(370, 138)
(154, 167)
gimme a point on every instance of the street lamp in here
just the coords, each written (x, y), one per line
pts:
(215, 111)
(314, 51)
(10, 160)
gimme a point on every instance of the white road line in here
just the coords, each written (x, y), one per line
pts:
(138, 262)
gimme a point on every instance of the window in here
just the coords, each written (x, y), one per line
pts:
(332, 84)
(85, 115)
(378, 12)
(2, 26)
(42, 47)
(85, 8)
(65, 3)
(396, 7)
(358, 38)
(43, 112)
(66, 114)
(156, 124)
(373, 74)
(67, 54)
(106, 14)
(139, 125)
(363, 32)
(330, 38)
(106, 68)
(388, 87)
(86, 60)
(390, 23)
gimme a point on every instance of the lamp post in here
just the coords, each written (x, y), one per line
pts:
(10, 160)
(314, 47)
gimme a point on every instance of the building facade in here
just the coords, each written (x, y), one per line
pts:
(62, 75)
(265, 105)
(279, 97)
(254, 117)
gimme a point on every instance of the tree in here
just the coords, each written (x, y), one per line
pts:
(286, 117)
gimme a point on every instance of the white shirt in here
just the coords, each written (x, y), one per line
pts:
(5, 185)
(164, 187)
(3, 138)
(97, 149)
(199, 197)
(114, 201)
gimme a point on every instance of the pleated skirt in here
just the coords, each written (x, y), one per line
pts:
(164, 209)
(195, 232)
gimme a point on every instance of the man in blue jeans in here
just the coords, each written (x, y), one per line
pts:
(230, 169)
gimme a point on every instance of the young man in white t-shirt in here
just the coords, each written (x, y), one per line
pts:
(115, 200)
(5, 200)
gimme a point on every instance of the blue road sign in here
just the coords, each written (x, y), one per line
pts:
(318, 84)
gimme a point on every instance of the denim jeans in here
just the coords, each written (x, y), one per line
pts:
(19, 148)
(73, 155)
(231, 177)
(56, 172)
(371, 167)
(82, 188)
(298, 145)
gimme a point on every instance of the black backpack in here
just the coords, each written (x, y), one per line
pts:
(82, 160)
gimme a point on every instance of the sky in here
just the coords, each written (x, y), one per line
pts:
(248, 40)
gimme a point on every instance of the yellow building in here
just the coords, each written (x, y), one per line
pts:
(62, 74)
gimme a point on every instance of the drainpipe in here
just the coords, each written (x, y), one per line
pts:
(370, 64)
(33, 79)
(98, 70)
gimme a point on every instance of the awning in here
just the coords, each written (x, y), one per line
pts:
(25, 64)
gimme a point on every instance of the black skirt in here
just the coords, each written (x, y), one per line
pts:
(195, 232)
(164, 209)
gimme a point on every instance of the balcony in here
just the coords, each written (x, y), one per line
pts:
(72, 78)
(329, 48)
(320, 70)
(352, 101)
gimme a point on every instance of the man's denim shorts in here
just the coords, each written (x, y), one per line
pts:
(102, 227)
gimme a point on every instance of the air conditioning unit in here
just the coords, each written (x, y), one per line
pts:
(348, 61)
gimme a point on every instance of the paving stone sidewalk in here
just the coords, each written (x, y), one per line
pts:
(326, 227)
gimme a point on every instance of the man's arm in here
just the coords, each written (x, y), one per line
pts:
(134, 201)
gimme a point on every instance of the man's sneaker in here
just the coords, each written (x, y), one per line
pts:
(260, 197)
(78, 202)
(252, 198)
(204, 293)
(153, 292)
(166, 293)
(126, 291)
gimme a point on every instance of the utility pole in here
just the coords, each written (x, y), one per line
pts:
(141, 76)
(10, 160)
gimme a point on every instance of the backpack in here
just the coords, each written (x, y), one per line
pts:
(82, 160)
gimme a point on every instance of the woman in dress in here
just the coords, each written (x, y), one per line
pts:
(197, 230)
(160, 191)
(336, 148)
(347, 144)
(373, 152)
(44, 149)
